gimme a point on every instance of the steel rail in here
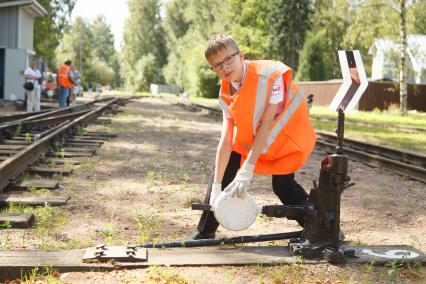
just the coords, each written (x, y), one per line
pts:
(6, 131)
(413, 171)
(11, 117)
(403, 156)
(39, 115)
(16, 164)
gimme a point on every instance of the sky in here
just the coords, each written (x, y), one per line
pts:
(115, 12)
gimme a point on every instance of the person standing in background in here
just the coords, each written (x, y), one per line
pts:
(64, 80)
(33, 75)
(76, 87)
(71, 78)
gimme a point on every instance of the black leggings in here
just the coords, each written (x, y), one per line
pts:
(284, 186)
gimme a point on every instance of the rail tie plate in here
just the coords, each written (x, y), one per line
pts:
(104, 253)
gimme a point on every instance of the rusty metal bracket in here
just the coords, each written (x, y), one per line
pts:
(104, 253)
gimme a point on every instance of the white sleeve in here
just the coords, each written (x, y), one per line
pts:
(28, 71)
(224, 108)
(226, 114)
(277, 93)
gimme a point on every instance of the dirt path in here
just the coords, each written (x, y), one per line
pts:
(141, 184)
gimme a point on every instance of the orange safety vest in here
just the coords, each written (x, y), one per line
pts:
(63, 76)
(292, 137)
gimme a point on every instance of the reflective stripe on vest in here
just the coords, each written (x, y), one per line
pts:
(262, 91)
(285, 117)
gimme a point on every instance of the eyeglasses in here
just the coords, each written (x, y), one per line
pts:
(228, 61)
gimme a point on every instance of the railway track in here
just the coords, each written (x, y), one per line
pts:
(38, 144)
(406, 163)
(402, 162)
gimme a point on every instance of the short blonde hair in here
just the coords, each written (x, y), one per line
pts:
(218, 42)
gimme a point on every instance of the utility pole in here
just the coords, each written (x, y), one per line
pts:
(81, 51)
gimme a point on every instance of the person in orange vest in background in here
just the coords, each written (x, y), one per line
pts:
(64, 80)
(273, 134)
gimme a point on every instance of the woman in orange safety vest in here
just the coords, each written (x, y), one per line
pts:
(64, 82)
(266, 128)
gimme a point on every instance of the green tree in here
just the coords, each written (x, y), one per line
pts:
(312, 63)
(372, 19)
(289, 23)
(98, 72)
(48, 30)
(250, 27)
(116, 67)
(81, 46)
(143, 34)
(417, 16)
(330, 21)
(77, 46)
(102, 40)
(187, 66)
(392, 19)
(147, 72)
(175, 22)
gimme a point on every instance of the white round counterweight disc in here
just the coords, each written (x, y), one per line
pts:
(233, 213)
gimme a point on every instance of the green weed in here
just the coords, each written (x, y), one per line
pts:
(41, 275)
(108, 231)
(5, 241)
(78, 130)
(18, 130)
(147, 225)
(32, 189)
(57, 176)
(166, 275)
(24, 176)
(28, 137)
(60, 153)
(5, 225)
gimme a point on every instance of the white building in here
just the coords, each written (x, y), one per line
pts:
(16, 44)
(385, 54)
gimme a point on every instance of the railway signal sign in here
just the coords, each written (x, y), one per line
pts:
(354, 81)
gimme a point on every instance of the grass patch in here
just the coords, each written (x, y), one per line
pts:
(386, 117)
(213, 102)
(388, 137)
(161, 274)
(147, 226)
(41, 275)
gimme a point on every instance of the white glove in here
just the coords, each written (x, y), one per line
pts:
(216, 190)
(241, 183)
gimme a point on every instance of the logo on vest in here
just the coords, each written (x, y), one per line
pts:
(276, 89)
